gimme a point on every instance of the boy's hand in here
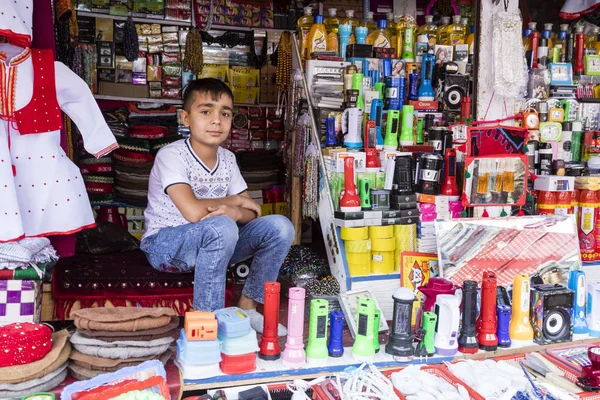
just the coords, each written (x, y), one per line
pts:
(232, 212)
(249, 204)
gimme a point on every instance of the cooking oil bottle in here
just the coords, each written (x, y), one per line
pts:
(527, 35)
(560, 44)
(455, 33)
(591, 40)
(332, 24)
(547, 34)
(441, 30)
(350, 20)
(369, 22)
(471, 43)
(392, 33)
(379, 38)
(430, 30)
(304, 24)
(316, 40)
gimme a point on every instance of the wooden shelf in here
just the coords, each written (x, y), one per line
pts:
(178, 23)
(135, 19)
(138, 99)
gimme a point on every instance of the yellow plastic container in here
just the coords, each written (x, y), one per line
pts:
(316, 40)
(359, 264)
(350, 20)
(357, 246)
(354, 233)
(332, 24)
(382, 262)
(385, 245)
(381, 232)
(304, 24)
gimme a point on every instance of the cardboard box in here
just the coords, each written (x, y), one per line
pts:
(554, 183)
(122, 90)
(20, 301)
(244, 77)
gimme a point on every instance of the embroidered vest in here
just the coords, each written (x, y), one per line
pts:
(42, 114)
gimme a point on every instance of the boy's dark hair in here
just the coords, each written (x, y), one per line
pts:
(211, 86)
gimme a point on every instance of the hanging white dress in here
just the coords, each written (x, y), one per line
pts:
(41, 191)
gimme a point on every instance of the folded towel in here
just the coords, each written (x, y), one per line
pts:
(61, 348)
(26, 252)
(117, 319)
(81, 373)
(155, 333)
(109, 364)
(120, 352)
(79, 339)
(42, 387)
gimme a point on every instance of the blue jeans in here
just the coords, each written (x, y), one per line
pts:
(208, 247)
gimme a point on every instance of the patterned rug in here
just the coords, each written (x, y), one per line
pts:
(119, 277)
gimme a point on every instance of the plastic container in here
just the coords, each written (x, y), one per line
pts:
(382, 262)
(442, 372)
(198, 352)
(233, 322)
(381, 232)
(354, 233)
(239, 345)
(240, 364)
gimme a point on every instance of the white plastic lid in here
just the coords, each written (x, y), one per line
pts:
(370, 16)
(595, 30)
(532, 25)
(548, 27)
(307, 10)
(445, 20)
(350, 13)
(579, 29)
(464, 21)
(332, 12)
(456, 19)
(389, 16)
(429, 19)
(594, 162)
(564, 27)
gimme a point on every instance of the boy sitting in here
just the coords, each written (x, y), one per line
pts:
(200, 217)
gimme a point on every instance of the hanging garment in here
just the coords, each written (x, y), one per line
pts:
(574, 9)
(42, 191)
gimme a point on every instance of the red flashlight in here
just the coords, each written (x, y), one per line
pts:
(269, 348)
(487, 323)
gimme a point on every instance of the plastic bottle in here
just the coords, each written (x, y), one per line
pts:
(527, 35)
(369, 22)
(392, 33)
(563, 204)
(471, 44)
(401, 26)
(547, 34)
(304, 24)
(546, 203)
(332, 24)
(429, 29)
(591, 41)
(587, 227)
(350, 20)
(316, 40)
(455, 33)
(559, 45)
(379, 38)
(441, 30)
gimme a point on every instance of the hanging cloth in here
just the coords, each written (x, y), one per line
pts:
(510, 69)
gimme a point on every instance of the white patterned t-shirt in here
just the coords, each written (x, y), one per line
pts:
(177, 163)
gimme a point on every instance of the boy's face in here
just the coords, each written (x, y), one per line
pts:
(209, 120)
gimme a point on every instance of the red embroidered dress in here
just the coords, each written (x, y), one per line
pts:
(41, 190)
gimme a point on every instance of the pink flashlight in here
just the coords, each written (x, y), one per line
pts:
(294, 355)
